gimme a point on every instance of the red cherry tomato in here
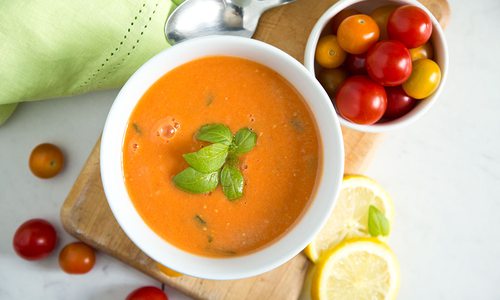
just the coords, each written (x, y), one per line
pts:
(361, 100)
(35, 239)
(356, 63)
(77, 258)
(398, 103)
(147, 293)
(389, 63)
(410, 25)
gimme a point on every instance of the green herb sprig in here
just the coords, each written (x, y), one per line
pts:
(218, 162)
(377, 222)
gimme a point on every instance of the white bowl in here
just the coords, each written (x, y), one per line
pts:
(367, 6)
(298, 236)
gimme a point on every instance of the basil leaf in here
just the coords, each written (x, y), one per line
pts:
(209, 159)
(215, 133)
(377, 222)
(244, 141)
(192, 181)
(232, 182)
(232, 160)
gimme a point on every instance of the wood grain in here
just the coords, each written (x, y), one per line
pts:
(86, 215)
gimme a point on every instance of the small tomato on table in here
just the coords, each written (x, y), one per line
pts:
(35, 239)
(46, 160)
(77, 258)
(147, 293)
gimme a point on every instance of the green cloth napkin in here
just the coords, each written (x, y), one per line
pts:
(53, 48)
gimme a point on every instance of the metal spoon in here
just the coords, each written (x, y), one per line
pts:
(196, 18)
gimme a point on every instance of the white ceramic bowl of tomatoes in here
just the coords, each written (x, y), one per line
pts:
(383, 63)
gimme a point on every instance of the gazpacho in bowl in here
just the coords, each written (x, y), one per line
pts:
(221, 157)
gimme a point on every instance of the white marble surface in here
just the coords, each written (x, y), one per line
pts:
(443, 173)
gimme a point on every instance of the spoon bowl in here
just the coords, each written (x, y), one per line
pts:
(197, 18)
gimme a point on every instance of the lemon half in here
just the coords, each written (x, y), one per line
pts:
(363, 268)
(349, 218)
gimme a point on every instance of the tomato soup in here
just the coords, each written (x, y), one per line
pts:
(280, 172)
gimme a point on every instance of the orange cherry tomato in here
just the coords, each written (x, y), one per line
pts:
(381, 15)
(341, 16)
(358, 33)
(331, 79)
(424, 51)
(328, 52)
(77, 258)
(46, 161)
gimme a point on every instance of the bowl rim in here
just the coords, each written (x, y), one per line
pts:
(280, 250)
(411, 116)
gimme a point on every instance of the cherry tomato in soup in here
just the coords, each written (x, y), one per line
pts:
(35, 239)
(357, 33)
(424, 79)
(77, 258)
(410, 25)
(356, 63)
(331, 79)
(381, 15)
(341, 16)
(424, 51)
(46, 160)
(147, 293)
(361, 100)
(389, 63)
(328, 52)
(398, 103)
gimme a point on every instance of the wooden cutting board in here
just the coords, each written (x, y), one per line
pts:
(86, 215)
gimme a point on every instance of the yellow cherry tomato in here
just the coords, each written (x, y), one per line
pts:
(331, 79)
(357, 34)
(328, 52)
(424, 79)
(380, 15)
(424, 51)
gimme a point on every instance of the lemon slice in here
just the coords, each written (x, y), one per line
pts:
(167, 271)
(363, 268)
(349, 218)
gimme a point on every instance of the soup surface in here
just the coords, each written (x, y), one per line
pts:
(279, 173)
